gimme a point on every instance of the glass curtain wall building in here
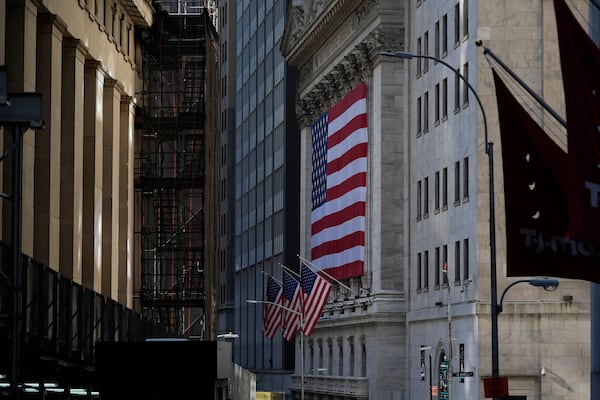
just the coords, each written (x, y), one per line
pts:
(260, 144)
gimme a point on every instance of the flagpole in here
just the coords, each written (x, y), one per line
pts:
(322, 271)
(487, 51)
(272, 277)
(301, 337)
(297, 275)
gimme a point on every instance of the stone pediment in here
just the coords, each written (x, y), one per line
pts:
(310, 22)
(335, 46)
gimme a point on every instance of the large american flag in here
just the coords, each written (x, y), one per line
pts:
(316, 290)
(339, 179)
(272, 315)
(293, 295)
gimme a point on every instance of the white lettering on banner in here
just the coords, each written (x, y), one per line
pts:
(558, 244)
(594, 189)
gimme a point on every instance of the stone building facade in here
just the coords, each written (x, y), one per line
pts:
(78, 206)
(410, 323)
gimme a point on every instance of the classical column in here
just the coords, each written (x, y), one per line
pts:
(111, 109)
(126, 209)
(71, 159)
(46, 232)
(92, 175)
(21, 27)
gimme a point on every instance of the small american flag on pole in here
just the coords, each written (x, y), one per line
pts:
(316, 290)
(294, 297)
(272, 316)
(339, 178)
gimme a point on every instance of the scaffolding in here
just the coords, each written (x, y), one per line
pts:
(172, 168)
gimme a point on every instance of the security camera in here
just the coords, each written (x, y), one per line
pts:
(543, 372)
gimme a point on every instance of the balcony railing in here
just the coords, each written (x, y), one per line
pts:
(347, 386)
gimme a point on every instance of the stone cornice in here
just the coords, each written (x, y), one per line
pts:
(302, 35)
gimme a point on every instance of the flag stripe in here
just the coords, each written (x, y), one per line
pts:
(350, 155)
(294, 298)
(350, 100)
(346, 130)
(337, 218)
(335, 231)
(335, 246)
(340, 148)
(272, 315)
(317, 291)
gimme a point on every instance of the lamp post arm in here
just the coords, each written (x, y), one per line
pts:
(457, 72)
(499, 306)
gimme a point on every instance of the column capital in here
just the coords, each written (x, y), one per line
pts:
(71, 43)
(95, 66)
(112, 83)
(47, 21)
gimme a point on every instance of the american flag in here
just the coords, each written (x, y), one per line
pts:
(272, 315)
(316, 290)
(339, 179)
(292, 320)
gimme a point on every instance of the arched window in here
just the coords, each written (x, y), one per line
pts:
(351, 356)
(363, 357)
(329, 356)
(341, 356)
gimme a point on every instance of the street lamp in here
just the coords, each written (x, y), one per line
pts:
(301, 337)
(228, 335)
(489, 150)
(547, 283)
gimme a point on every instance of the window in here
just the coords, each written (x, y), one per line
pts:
(113, 19)
(426, 51)
(456, 183)
(465, 85)
(444, 35)
(456, 93)
(465, 18)
(330, 356)
(121, 19)
(466, 178)
(437, 39)
(437, 267)
(419, 117)
(419, 197)
(351, 361)
(128, 42)
(419, 265)
(426, 112)
(445, 99)
(363, 358)
(436, 192)
(419, 60)
(457, 24)
(457, 261)
(437, 103)
(445, 263)
(445, 187)
(426, 270)
(341, 358)
(466, 259)
(426, 197)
